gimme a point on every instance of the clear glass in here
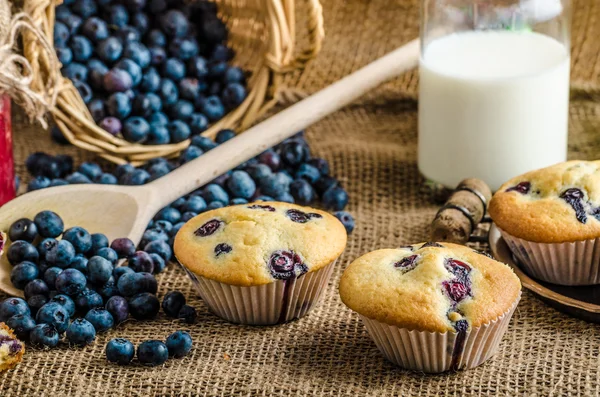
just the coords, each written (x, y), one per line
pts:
(494, 88)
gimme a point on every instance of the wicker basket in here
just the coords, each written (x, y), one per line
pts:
(263, 33)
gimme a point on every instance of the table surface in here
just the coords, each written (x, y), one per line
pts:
(371, 146)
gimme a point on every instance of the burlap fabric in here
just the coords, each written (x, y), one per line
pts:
(372, 147)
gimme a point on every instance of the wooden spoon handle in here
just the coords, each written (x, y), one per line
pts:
(283, 125)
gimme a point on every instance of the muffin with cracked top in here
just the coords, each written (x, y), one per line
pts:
(11, 349)
(260, 263)
(432, 307)
(550, 219)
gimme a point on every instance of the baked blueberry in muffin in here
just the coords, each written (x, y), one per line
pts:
(11, 349)
(282, 248)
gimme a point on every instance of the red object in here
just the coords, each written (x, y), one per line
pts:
(7, 169)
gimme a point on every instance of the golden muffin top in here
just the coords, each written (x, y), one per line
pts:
(556, 204)
(258, 243)
(435, 287)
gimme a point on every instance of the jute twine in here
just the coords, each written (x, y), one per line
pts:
(16, 73)
(372, 148)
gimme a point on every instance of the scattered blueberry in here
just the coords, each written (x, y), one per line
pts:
(179, 344)
(120, 351)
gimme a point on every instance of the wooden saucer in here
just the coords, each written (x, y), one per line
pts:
(581, 302)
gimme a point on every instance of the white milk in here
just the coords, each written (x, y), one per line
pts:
(492, 105)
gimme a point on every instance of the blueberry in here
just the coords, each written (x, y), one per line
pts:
(119, 271)
(118, 307)
(99, 270)
(141, 262)
(99, 241)
(65, 302)
(213, 192)
(181, 110)
(106, 179)
(36, 302)
(144, 306)
(130, 284)
(186, 216)
(159, 263)
(159, 135)
(44, 335)
(123, 169)
(153, 234)
(198, 67)
(183, 48)
(118, 79)
(146, 104)
(82, 48)
(101, 319)
(109, 289)
(64, 164)
(136, 129)
(198, 123)
(172, 303)
(21, 324)
(20, 251)
(138, 53)
(140, 22)
(65, 55)
(23, 273)
(11, 307)
(62, 12)
(213, 30)
(87, 300)
(81, 332)
(179, 131)
(120, 351)
(161, 248)
(39, 182)
(275, 185)
(84, 91)
(173, 69)
(302, 192)
(95, 29)
(320, 164)
(271, 159)
(168, 91)
(187, 314)
(158, 171)
(80, 263)
(70, 282)
(91, 170)
(189, 88)
(84, 8)
(112, 125)
(212, 108)
(133, 69)
(75, 72)
(79, 237)
(61, 34)
(194, 204)
(308, 173)
(109, 50)
(293, 153)
(151, 81)
(128, 33)
(53, 314)
(97, 71)
(109, 254)
(72, 22)
(158, 118)
(224, 135)
(124, 247)
(50, 276)
(240, 184)
(119, 105)
(258, 172)
(285, 197)
(174, 23)
(23, 229)
(233, 95)
(335, 198)
(36, 287)
(179, 344)
(156, 38)
(96, 108)
(157, 55)
(169, 214)
(117, 16)
(325, 183)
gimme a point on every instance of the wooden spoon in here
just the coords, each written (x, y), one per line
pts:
(124, 211)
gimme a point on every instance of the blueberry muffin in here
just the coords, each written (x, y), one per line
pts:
(11, 349)
(550, 219)
(432, 307)
(260, 263)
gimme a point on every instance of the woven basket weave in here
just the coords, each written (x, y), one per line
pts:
(263, 34)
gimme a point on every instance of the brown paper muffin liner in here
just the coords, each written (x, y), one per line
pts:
(274, 303)
(434, 352)
(570, 263)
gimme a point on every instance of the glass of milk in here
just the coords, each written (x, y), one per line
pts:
(494, 88)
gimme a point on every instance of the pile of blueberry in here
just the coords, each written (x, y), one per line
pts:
(152, 72)
(79, 275)
(150, 352)
(286, 173)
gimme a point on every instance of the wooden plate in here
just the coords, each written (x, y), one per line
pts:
(580, 302)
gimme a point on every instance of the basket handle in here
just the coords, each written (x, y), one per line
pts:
(282, 56)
